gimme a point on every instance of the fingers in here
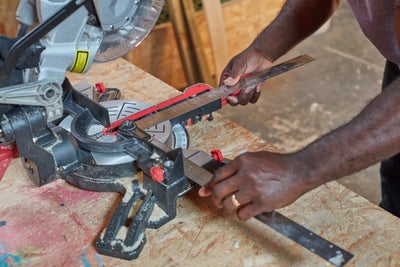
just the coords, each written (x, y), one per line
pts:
(231, 81)
(249, 211)
(240, 203)
(235, 201)
(232, 100)
(204, 191)
(246, 95)
(256, 94)
(231, 74)
(257, 182)
(222, 173)
(249, 95)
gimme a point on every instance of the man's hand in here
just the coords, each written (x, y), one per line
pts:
(261, 182)
(250, 60)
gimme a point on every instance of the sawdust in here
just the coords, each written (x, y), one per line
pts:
(157, 214)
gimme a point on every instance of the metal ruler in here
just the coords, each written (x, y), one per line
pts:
(308, 239)
(221, 92)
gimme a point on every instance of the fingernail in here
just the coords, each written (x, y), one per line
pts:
(229, 81)
(232, 99)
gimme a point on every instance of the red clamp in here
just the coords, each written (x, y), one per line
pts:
(217, 155)
(157, 174)
(100, 88)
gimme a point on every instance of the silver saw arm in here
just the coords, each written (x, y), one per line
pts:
(71, 36)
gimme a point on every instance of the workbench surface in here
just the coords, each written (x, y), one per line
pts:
(57, 224)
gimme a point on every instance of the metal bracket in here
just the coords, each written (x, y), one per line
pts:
(46, 93)
(124, 237)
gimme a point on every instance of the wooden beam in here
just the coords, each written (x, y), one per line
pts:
(216, 30)
(183, 41)
(198, 46)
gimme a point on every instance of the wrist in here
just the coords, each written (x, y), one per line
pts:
(265, 51)
(306, 171)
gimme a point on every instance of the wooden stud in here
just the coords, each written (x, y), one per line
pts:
(183, 41)
(216, 30)
(198, 45)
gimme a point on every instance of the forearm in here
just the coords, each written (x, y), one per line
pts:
(372, 136)
(297, 20)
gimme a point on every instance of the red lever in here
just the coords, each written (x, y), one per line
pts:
(157, 174)
(217, 155)
(100, 87)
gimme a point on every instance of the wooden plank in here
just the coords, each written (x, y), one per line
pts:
(183, 40)
(216, 31)
(197, 42)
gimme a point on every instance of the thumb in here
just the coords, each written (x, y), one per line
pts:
(236, 70)
(204, 191)
(230, 81)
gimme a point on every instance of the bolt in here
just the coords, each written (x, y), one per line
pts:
(169, 164)
(50, 93)
(157, 162)
(128, 126)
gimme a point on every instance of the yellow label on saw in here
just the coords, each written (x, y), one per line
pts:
(81, 61)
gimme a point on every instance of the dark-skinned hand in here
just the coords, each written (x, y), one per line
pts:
(261, 181)
(248, 61)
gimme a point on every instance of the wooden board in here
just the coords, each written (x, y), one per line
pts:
(216, 31)
(57, 224)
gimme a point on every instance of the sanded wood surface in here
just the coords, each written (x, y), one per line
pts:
(57, 224)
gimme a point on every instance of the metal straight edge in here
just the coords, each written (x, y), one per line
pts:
(223, 91)
(301, 235)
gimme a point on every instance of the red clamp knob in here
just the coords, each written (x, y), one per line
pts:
(100, 88)
(217, 155)
(157, 174)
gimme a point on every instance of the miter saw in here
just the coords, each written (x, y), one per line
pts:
(61, 131)
(88, 137)
(82, 133)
